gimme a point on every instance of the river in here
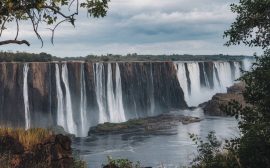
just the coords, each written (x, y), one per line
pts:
(169, 149)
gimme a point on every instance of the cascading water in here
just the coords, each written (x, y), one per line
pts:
(222, 78)
(182, 78)
(114, 98)
(61, 118)
(195, 84)
(237, 68)
(199, 81)
(225, 75)
(71, 126)
(152, 92)
(119, 96)
(100, 91)
(25, 97)
(83, 105)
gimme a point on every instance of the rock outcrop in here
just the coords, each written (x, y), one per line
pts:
(54, 152)
(212, 107)
(149, 125)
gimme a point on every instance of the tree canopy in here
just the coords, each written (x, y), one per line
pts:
(50, 12)
(252, 148)
(252, 24)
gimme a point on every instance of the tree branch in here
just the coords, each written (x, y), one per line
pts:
(14, 42)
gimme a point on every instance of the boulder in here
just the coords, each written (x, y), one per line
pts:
(212, 107)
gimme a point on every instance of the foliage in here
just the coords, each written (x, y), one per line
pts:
(252, 24)
(24, 57)
(27, 138)
(211, 154)
(48, 12)
(253, 147)
(121, 163)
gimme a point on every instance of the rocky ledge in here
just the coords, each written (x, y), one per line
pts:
(143, 125)
(53, 152)
(212, 107)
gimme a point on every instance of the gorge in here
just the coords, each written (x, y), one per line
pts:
(77, 95)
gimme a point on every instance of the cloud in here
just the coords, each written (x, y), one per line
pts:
(142, 26)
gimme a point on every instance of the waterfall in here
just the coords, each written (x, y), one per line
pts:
(152, 93)
(119, 96)
(182, 78)
(83, 105)
(206, 77)
(61, 119)
(224, 72)
(114, 99)
(25, 97)
(195, 84)
(71, 126)
(237, 70)
(100, 91)
(222, 78)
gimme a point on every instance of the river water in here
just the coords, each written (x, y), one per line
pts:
(170, 149)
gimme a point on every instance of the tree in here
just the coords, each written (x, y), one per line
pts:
(252, 148)
(51, 12)
(252, 25)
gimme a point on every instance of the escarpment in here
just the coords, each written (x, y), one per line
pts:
(78, 95)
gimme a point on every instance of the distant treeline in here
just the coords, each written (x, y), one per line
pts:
(44, 57)
(24, 57)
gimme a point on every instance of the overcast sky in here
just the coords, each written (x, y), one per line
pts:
(141, 26)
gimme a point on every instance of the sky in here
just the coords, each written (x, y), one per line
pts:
(139, 26)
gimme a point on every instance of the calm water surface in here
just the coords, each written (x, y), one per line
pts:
(170, 149)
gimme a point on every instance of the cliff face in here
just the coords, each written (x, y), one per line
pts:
(77, 95)
(138, 89)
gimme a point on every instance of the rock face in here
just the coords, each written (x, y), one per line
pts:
(212, 107)
(149, 125)
(54, 152)
(147, 89)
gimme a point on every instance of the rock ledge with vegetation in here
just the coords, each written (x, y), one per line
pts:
(37, 148)
(148, 125)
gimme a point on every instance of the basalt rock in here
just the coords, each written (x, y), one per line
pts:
(234, 92)
(149, 125)
(54, 152)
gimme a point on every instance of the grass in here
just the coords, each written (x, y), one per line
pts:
(27, 138)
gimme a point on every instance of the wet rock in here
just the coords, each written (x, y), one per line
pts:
(149, 125)
(234, 92)
(60, 130)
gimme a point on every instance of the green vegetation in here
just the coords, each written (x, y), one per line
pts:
(252, 148)
(121, 163)
(24, 57)
(45, 12)
(44, 57)
(27, 138)
(35, 148)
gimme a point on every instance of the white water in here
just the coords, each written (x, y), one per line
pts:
(222, 78)
(194, 75)
(71, 126)
(225, 76)
(114, 99)
(152, 93)
(100, 91)
(83, 105)
(25, 97)
(182, 78)
(237, 70)
(119, 96)
(61, 119)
